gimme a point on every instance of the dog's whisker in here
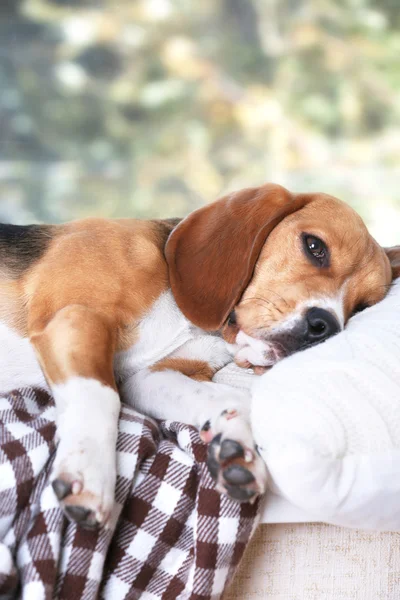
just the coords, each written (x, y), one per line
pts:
(263, 301)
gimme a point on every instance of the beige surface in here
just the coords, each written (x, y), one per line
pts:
(319, 562)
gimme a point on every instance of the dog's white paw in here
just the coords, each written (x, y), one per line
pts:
(83, 480)
(233, 460)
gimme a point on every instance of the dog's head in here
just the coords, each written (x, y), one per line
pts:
(276, 271)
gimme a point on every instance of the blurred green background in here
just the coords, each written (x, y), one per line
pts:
(154, 107)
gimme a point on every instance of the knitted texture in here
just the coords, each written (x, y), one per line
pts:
(327, 421)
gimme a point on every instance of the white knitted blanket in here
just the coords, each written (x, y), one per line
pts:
(327, 421)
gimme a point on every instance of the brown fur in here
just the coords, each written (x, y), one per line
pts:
(245, 253)
(83, 296)
(77, 340)
(195, 369)
(114, 267)
(212, 253)
(284, 278)
(12, 304)
(394, 257)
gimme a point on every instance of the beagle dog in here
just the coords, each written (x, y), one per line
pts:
(101, 310)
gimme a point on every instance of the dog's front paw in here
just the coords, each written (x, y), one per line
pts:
(233, 460)
(83, 480)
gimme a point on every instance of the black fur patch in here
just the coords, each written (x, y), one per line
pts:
(165, 226)
(173, 222)
(22, 245)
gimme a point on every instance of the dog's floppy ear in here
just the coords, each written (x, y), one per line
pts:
(394, 257)
(212, 253)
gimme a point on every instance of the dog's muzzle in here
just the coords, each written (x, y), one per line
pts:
(315, 327)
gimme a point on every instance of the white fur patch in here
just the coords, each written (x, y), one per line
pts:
(171, 395)
(19, 365)
(165, 332)
(162, 331)
(208, 348)
(86, 407)
(87, 424)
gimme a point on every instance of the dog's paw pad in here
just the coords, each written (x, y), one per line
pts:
(234, 464)
(240, 494)
(231, 449)
(237, 475)
(82, 516)
(83, 508)
(61, 488)
(206, 433)
(84, 487)
(229, 414)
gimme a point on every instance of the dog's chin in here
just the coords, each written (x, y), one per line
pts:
(274, 353)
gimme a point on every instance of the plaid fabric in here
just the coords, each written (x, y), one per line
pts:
(172, 535)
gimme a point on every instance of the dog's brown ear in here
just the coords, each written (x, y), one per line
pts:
(394, 257)
(212, 253)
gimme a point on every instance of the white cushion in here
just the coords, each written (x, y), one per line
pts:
(327, 421)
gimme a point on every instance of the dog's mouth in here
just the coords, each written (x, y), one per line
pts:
(266, 349)
(257, 352)
(264, 352)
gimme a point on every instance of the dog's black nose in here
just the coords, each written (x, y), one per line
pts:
(321, 325)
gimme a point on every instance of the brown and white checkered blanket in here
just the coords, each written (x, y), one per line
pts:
(173, 536)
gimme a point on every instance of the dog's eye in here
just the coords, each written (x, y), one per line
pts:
(232, 318)
(316, 249)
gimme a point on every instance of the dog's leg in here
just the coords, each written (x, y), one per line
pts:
(222, 415)
(75, 349)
